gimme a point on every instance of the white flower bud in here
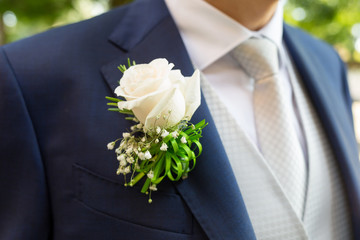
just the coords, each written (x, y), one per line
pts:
(164, 147)
(183, 140)
(139, 126)
(175, 134)
(158, 130)
(153, 187)
(127, 170)
(111, 145)
(119, 171)
(164, 133)
(150, 174)
(141, 155)
(123, 163)
(126, 135)
(129, 150)
(148, 155)
(156, 140)
(121, 157)
(130, 160)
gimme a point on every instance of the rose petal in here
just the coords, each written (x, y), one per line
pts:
(142, 106)
(173, 101)
(192, 93)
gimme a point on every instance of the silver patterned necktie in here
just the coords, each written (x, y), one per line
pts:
(276, 134)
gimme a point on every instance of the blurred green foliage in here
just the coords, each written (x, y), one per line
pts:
(34, 16)
(33, 10)
(330, 20)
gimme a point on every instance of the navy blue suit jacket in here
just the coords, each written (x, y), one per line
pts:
(57, 179)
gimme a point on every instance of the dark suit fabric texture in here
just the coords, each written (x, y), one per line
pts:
(57, 178)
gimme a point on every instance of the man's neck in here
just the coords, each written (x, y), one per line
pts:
(252, 14)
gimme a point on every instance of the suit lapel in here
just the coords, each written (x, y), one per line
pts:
(334, 116)
(210, 191)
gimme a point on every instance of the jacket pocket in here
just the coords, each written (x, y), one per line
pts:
(167, 211)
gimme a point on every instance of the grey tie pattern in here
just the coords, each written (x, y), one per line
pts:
(277, 137)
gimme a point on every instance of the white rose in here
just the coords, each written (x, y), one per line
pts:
(154, 89)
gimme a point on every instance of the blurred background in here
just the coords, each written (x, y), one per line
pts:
(335, 21)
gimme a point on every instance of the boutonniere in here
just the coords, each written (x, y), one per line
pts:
(161, 143)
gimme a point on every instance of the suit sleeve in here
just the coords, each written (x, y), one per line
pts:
(24, 204)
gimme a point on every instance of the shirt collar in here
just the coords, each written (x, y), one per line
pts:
(209, 34)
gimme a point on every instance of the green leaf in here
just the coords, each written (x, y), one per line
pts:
(112, 104)
(113, 99)
(146, 185)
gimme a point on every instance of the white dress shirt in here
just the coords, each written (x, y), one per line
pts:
(209, 35)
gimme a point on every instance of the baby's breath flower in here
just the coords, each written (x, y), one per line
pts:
(126, 135)
(123, 163)
(119, 171)
(153, 187)
(175, 134)
(183, 140)
(164, 133)
(121, 157)
(143, 139)
(118, 150)
(129, 150)
(156, 140)
(139, 126)
(158, 130)
(111, 145)
(127, 170)
(164, 147)
(132, 128)
(150, 174)
(130, 160)
(147, 155)
(141, 155)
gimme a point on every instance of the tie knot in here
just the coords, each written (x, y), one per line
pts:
(258, 57)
